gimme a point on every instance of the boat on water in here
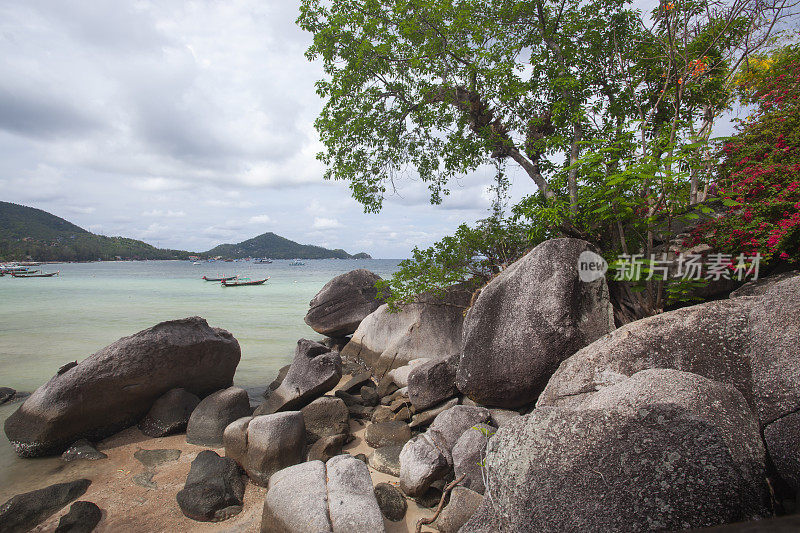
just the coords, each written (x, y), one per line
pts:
(244, 281)
(30, 275)
(229, 278)
(264, 260)
(296, 262)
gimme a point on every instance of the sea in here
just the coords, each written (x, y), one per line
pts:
(47, 322)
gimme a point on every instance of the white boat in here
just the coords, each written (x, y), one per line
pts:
(296, 262)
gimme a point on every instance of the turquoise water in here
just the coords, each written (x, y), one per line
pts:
(46, 322)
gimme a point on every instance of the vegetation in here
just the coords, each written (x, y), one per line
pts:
(609, 111)
(277, 247)
(32, 234)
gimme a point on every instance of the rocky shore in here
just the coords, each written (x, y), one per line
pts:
(521, 408)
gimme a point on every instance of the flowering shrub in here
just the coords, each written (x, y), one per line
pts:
(759, 178)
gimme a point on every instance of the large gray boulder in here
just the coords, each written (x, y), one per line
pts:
(209, 419)
(529, 319)
(640, 457)
(343, 303)
(317, 497)
(430, 327)
(314, 371)
(469, 454)
(782, 438)
(262, 445)
(117, 386)
(432, 383)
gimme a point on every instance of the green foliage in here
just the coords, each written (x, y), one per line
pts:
(472, 255)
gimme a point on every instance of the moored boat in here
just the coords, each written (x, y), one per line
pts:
(229, 278)
(296, 262)
(30, 275)
(244, 281)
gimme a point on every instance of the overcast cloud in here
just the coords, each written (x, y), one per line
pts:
(188, 124)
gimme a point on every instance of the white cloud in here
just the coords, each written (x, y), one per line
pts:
(260, 219)
(158, 213)
(325, 223)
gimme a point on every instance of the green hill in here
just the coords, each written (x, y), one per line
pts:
(277, 247)
(27, 233)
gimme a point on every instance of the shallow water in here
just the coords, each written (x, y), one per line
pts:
(46, 322)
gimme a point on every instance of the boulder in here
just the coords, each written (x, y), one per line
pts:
(782, 438)
(351, 498)
(324, 417)
(784, 524)
(463, 504)
(433, 382)
(82, 449)
(382, 414)
(399, 375)
(209, 419)
(319, 497)
(386, 459)
(666, 462)
(169, 414)
(527, 320)
(501, 417)
(430, 327)
(282, 371)
(314, 371)
(154, 458)
(421, 463)
(426, 417)
(326, 447)
(483, 520)
(369, 396)
(82, 517)
(391, 501)
(24, 511)
(469, 454)
(449, 425)
(340, 306)
(762, 285)
(214, 489)
(114, 388)
(297, 500)
(392, 433)
(354, 384)
(262, 445)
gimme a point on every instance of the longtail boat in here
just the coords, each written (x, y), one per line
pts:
(28, 275)
(229, 278)
(244, 281)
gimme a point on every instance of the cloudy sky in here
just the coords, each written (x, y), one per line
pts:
(188, 124)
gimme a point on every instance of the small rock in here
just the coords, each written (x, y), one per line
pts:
(391, 501)
(153, 458)
(326, 447)
(82, 517)
(386, 459)
(399, 403)
(145, 479)
(463, 504)
(349, 399)
(82, 449)
(360, 412)
(426, 417)
(369, 396)
(169, 414)
(361, 457)
(392, 433)
(324, 417)
(214, 489)
(400, 374)
(6, 394)
(355, 383)
(403, 415)
(212, 415)
(430, 498)
(386, 387)
(501, 417)
(24, 511)
(382, 414)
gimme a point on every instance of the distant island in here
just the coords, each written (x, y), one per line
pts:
(27, 233)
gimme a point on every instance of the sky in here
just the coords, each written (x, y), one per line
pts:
(188, 124)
